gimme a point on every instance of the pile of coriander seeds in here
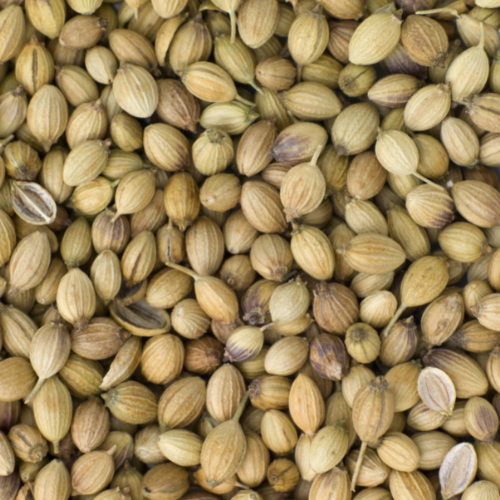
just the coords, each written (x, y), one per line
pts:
(249, 250)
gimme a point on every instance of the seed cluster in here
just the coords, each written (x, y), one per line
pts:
(233, 241)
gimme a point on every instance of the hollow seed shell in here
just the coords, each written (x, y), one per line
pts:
(458, 469)
(436, 390)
